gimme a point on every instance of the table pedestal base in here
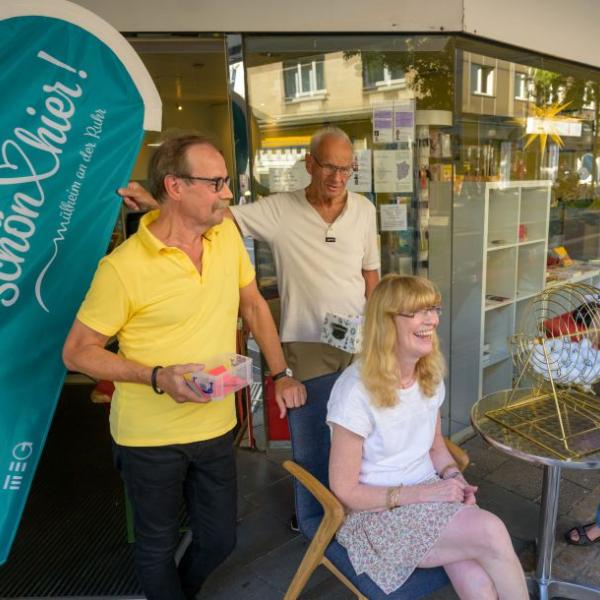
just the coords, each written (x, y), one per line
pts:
(560, 589)
(542, 585)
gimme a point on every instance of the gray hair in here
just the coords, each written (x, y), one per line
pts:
(325, 132)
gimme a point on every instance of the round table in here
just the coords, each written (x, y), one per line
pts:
(541, 582)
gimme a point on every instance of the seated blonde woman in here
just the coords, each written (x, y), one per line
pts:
(408, 504)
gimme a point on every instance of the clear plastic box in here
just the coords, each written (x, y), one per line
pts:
(222, 375)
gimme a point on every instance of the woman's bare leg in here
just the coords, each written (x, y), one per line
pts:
(470, 581)
(476, 534)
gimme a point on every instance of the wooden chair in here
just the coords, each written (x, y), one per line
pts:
(319, 512)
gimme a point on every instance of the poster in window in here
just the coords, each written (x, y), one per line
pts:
(393, 171)
(404, 121)
(393, 217)
(288, 179)
(361, 179)
(383, 124)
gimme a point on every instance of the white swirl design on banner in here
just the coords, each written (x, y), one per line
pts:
(18, 226)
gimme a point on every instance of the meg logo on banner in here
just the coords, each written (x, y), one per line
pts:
(76, 99)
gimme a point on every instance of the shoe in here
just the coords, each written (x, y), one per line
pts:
(294, 523)
(583, 539)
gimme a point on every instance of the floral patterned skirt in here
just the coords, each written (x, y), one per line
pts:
(388, 545)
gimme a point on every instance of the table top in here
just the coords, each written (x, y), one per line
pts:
(514, 444)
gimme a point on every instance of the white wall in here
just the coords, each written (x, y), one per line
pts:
(563, 29)
(279, 15)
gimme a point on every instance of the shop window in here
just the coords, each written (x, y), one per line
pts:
(377, 75)
(482, 80)
(557, 95)
(588, 99)
(304, 79)
(521, 87)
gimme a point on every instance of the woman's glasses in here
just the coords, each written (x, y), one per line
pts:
(430, 310)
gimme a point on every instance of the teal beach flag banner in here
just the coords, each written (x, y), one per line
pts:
(75, 101)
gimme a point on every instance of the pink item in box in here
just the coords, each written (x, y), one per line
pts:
(222, 375)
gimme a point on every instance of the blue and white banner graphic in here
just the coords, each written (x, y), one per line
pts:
(75, 101)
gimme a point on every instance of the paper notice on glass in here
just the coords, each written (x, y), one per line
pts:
(404, 121)
(361, 180)
(282, 179)
(393, 217)
(393, 171)
(383, 124)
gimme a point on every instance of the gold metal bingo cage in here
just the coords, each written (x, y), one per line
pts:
(556, 354)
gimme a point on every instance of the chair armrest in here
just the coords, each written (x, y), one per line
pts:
(458, 454)
(333, 509)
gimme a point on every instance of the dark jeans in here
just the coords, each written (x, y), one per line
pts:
(156, 479)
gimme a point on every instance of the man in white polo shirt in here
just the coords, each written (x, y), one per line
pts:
(324, 243)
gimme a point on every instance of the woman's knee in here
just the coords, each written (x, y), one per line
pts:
(492, 535)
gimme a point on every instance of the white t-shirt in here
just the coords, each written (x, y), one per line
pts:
(314, 276)
(397, 439)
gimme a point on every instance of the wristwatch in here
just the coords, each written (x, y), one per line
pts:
(287, 372)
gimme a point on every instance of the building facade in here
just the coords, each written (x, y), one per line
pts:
(475, 131)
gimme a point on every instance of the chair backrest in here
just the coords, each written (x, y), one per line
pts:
(311, 441)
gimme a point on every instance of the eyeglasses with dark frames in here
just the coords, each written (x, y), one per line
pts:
(218, 182)
(434, 310)
(333, 169)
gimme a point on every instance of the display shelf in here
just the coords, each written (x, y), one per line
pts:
(492, 283)
(500, 273)
(531, 269)
(534, 206)
(514, 270)
(503, 211)
(494, 359)
(497, 329)
(497, 377)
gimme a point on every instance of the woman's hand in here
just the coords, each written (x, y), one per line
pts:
(445, 490)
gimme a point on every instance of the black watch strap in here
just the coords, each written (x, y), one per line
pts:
(287, 372)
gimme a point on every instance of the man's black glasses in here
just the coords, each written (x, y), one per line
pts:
(218, 182)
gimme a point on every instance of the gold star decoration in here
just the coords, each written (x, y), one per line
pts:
(550, 117)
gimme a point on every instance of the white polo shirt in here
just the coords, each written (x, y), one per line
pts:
(314, 276)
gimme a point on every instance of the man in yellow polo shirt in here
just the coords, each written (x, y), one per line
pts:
(171, 295)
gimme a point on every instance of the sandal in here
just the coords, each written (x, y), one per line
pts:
(583, 539)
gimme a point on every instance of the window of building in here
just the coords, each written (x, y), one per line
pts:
(304, 78)
(588, 99)
(482, 80)
(521, 86)
(377, 75)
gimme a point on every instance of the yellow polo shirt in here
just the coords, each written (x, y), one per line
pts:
(165, 313)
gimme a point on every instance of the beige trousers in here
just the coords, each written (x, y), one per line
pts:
(313, 359)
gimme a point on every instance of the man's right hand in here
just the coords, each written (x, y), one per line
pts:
(171, 381)
(137, 197)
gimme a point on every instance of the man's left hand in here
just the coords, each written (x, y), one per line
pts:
(289, 393)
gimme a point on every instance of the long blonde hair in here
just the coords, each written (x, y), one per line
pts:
(378, 363)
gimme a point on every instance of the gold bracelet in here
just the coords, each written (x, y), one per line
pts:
(390, 496)
(448, 466)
